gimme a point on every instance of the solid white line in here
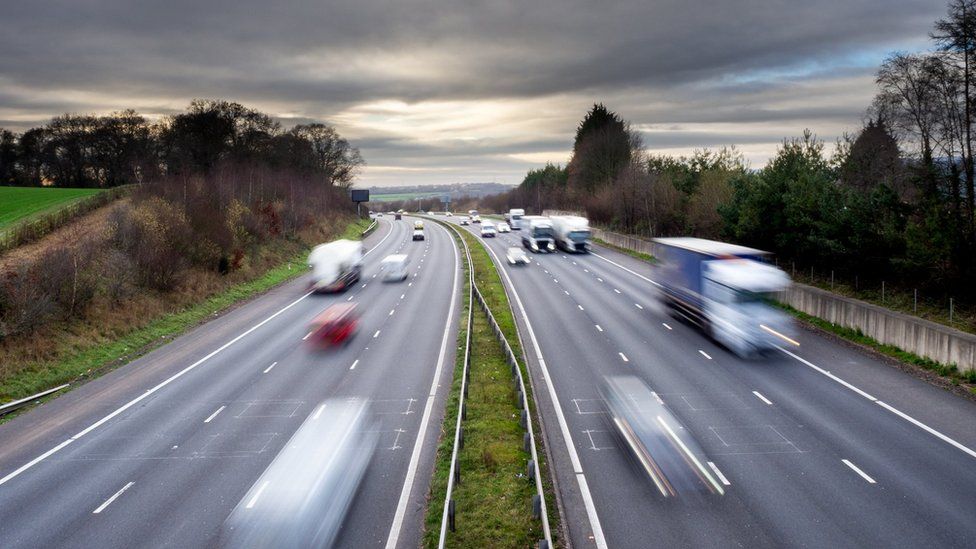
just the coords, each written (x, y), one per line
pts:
(257, 495)
(268, 369)
(638, 305)
(111, 499)
(377, 334)
(665, 324)
(306, 336)
(598, 538)
(762, 398)
(704, 354)
(391, 540)
(719, 474)
(930, 430)
(830, 375)
(624, 268)
(858, 471)
(598, 327)
(213, 415)
(143, 396)
(623, 356)
(353, 367)
(616, 290)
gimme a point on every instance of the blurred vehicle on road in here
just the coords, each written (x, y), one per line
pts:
(464, 220)
(301, 499)
(336, 325)
(397, 216)
(335, 265)
(394, 267)
(539, 236)
(514, 218)
(418, 234)
(449, 214)
(487, 230)
(504, 227)
(517, 256)
(418, 224)
(666, 451)
(572, 232)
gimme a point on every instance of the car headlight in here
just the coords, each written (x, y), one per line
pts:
(535, 246)
(551, 246)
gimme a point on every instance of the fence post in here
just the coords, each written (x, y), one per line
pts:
(950, 310)
(831, 279)
(915, 302)
(882, 291)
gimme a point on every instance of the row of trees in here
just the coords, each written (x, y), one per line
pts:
(894, 201)
(124, 147)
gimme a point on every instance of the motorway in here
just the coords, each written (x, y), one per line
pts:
(158, 452)
(820, 445)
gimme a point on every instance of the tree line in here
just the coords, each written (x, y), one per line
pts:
(895, 200)
(89, 150)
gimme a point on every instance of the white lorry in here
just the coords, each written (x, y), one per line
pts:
(514, 218)
(336, 265)
(539, 236)
(572, 232)
(726, 290)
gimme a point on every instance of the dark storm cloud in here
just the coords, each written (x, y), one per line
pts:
(701, 61)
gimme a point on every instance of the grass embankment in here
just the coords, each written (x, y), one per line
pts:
(74, 361)
(950, 372)
(21, 203)
(639, 255)
(494, 499)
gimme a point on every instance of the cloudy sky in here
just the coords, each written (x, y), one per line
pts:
(439, 91)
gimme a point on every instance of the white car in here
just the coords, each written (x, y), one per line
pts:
(449, 214)
(504, 227)
(464, 221)
(487, 230)
(517, 256)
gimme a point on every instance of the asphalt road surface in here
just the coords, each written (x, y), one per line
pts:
(821, 447)
(157, 453)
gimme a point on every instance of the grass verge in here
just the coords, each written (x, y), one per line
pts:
(639, 255)
(103, 357)
(494, 498)
(950, 372)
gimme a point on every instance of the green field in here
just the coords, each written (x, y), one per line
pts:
(20, 203)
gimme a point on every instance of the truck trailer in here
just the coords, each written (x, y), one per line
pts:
(572, 232)
(336, 265)
(726, 289)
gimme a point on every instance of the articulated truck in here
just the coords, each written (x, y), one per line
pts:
(725, 289)
(572, 232)
(336, 265)
(538, 236)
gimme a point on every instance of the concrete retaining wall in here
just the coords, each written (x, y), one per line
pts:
(914, 335)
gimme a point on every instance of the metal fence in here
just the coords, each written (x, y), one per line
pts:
(529, 441)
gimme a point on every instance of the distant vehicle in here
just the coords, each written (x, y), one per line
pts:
(476, 219)
(487, 230)
(334, 326)
(371, 212)
(539, 236)
(418, 224)
(514, 218)
(726, 290)
(302, 498)
(400, 211)
(449, 214)
(379, 214)
(464, 220)
(572, 232)
(504, 227)
(517, 256)
(397, 216)
(666, 451)
(472, 213)
(418, 234)
(336, 265)
(394, 267)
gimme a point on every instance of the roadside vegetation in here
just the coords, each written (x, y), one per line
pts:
(234, 198)
(639, 255)
(494, 498)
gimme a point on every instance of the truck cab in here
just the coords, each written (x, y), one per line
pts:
(539, 235)
(514, 218)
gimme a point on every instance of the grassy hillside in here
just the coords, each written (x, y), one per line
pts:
(20, 203)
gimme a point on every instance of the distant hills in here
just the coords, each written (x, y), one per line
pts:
(454, 190)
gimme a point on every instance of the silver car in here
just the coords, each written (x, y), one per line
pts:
(517, 256)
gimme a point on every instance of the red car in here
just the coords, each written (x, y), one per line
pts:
(334, 326)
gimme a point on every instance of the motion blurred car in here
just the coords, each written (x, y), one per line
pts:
(394, 267)
(379, 214)
(504, 227)
(302, 498)
(449, 214)
(487, 230)
(464, 221)
(334, 326)
(666, 451)
(517, 256)
(418, 224)
(418, 234)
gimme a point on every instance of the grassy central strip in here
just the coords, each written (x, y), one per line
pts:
(101, 358)
(493, 501)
